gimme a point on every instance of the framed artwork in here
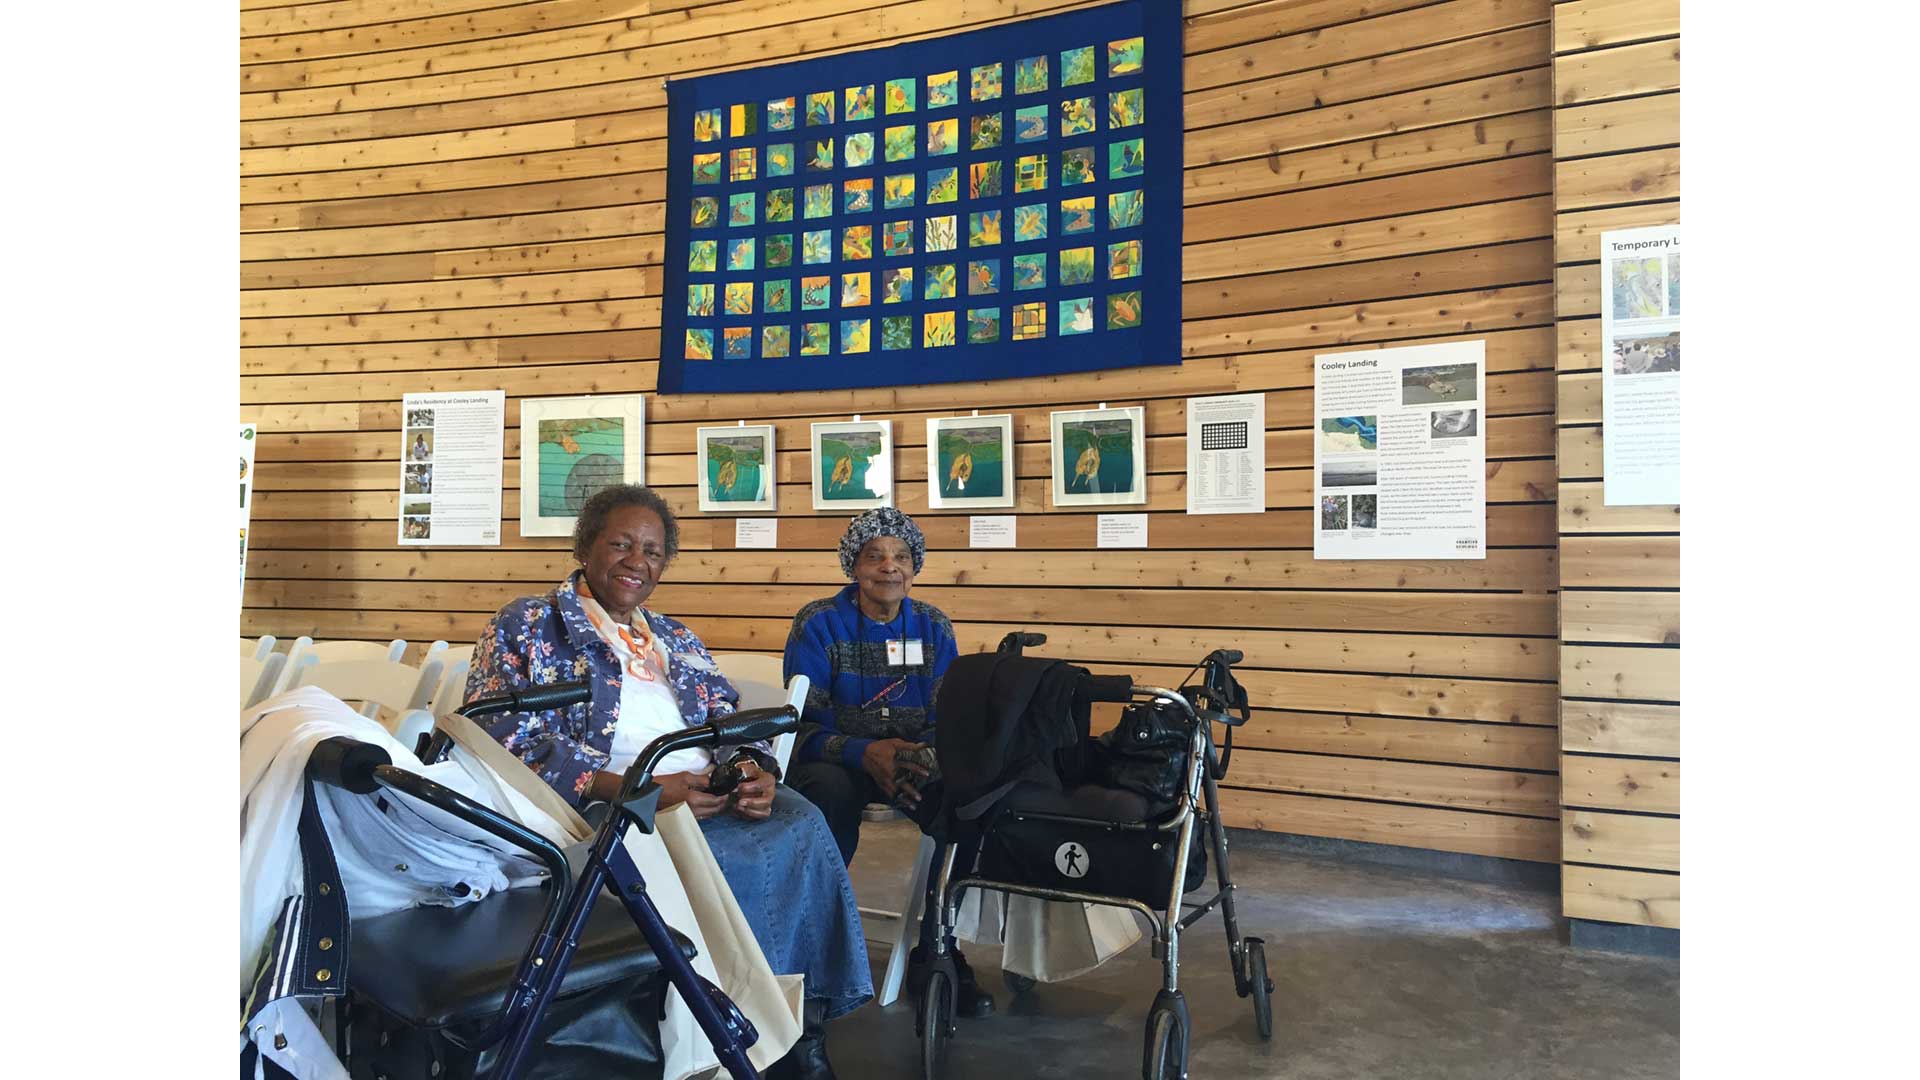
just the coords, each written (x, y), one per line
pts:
(853, 465)
(970, 462)
(736, 468)
(571, 448)
(997, 203)
(1099, 457)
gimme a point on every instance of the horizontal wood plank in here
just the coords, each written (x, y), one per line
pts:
(1613, 783)
(1629, 840)
(1645, 618)
(1634, 897)
(1501, 836)
(1618, 727)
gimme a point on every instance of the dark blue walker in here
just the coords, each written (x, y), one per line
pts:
(365, 769)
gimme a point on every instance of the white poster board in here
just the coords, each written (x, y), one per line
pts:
(1640, 373)
(573, 447)
(246, 497)
(1227, 454)
(451, 447)
(1400, 453)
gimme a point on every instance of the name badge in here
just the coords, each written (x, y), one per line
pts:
(909, 656)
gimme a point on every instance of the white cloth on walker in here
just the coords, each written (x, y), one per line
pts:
(441, 853)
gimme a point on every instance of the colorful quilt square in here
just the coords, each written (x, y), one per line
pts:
(1076, 66)
(820, 108)
(820, 155)
(780, 159)
(776, 296)
(896, 238)
(817, 201)
(983, 180)
(1126, 108)
(816, 339)
(699, 345)
(1076, 265)
(1077, 166)
(1126, 56)
(856, 290)
(740, 253)
(941, 284)
(1076, 316)
(1029, 321)
(856, 335)
(943, 186)
(900, 95)
(706, 125)
(1030, 271)
(779, 250)
(1123, 259)
(780, 114)
(859, 103)
(1077, 116)
(898, 189)
(700, 254)
(1127, 158)
(706, 211)
(983, 277)
(780, 204)
(943, 90)
(1076, 215)
(1030, 75)
(856, 196)
(1029, 222)
(943, 137)
(942, 233)
(856, 242)
(744, 120)
(983, 325)
(1126, 209)
(985, 131)
(983, 228)
(859, 149)
(986, 82)
(1123, 310)
(1030, 124)
(901, 142)
(706, 168)
(739, 297)
(816, 246)
(816, 293)
(1030, 173)
(896, 285)
(740, 209)
(700, 300)
(939, 330)
(738, 342)
(896, 332)
(776, 341)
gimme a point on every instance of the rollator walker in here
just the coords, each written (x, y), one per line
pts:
(1090, 847)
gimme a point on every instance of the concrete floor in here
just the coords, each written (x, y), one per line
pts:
(1379, 971)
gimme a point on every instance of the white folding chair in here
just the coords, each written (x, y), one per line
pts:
(330, 651)
(377, 684)
(758, 678)
(904, 932)
(259, 650)
(258, 677)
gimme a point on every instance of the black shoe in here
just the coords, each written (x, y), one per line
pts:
(969, 1000)
(807, 1060)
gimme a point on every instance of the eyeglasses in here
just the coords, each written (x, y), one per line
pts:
(890, 693)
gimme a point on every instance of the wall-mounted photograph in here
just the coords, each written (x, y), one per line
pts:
(970, 462)
(572, 447)
(852, 465)
(1099, 457)
(736, 468)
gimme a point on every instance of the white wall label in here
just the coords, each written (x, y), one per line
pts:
(1121, 531)
(756, 532)
(991, 530)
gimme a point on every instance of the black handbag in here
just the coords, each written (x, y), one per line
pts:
(1146, 754)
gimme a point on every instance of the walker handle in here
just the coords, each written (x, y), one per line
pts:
(753, 725)
(530, 699)
(347, 763)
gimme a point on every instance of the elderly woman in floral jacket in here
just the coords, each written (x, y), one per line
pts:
(651, 675)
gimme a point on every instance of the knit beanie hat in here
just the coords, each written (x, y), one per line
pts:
(877, 522)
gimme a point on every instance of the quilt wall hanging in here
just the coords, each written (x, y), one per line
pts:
(995, 203)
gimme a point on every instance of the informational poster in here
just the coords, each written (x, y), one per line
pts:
(450, 453)
(1400, 453)
(1640, 379)
(246, 497)
(1227, 454)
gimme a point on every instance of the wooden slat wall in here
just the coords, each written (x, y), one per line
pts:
(1616, 164)
(457, 194)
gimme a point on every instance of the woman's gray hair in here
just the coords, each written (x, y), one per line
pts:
(594, 515)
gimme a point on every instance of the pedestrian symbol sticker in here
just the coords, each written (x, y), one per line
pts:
(1071, 860)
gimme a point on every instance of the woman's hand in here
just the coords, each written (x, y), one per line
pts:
(753, 796)
(690, 788)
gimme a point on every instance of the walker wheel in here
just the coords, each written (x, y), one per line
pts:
(936, 1023)
(1016, 982)
(1261, 986)
(1166, 1048)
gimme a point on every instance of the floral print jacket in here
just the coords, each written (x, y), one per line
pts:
(537, 640)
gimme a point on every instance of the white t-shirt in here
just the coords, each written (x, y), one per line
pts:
(648, 708)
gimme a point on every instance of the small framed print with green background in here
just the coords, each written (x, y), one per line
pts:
(970, 462)
(736, 468)
(572, 447)
(1099, 457)
(852, 465)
